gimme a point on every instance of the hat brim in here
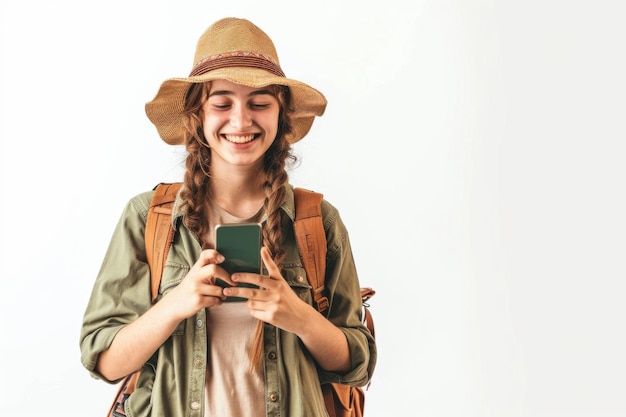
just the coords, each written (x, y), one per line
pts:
(165, 110)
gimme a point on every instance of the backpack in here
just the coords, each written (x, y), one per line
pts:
(341, 400)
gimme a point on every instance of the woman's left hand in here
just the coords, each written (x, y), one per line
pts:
(274, 301)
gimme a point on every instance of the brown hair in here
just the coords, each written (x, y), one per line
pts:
(195, 193)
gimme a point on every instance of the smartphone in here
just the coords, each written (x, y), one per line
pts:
(240, 243)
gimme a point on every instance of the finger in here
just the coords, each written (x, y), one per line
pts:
(245, 292)
(213, 291)
(212, 301)
(215, 273)
(269, 263)
(208, 262)
(250, 278)
(209, 256)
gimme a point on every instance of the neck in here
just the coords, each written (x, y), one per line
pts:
(238, 191)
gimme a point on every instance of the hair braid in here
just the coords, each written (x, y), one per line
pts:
(276, 178)
(195, 193)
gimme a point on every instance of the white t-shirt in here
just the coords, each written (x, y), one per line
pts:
(231, 388)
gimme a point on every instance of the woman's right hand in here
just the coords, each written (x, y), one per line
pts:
(198, 289)
(135, 343)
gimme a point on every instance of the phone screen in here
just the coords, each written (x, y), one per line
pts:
(240, 243)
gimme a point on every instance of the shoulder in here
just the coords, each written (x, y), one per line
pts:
(329, 211)
(333, 225)
(330, 214)
(141, 202)
(137, 206)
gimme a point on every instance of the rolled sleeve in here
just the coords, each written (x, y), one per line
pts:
(121, 291)
(345, 303)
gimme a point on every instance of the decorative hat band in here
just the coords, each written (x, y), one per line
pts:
(236, 59)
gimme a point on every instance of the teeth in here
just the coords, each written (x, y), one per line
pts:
(239, 139)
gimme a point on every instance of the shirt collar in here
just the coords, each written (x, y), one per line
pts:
(179, 210)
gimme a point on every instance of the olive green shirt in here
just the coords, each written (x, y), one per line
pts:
(172, 382)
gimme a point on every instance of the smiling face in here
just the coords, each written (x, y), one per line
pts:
(240, 123)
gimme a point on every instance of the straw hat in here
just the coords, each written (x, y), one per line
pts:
(238, 51)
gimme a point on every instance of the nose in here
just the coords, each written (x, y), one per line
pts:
(240, 117)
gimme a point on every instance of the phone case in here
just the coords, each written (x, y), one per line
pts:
(240, 243)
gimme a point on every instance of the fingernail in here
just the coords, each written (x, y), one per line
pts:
(220, 259)
(235, 277)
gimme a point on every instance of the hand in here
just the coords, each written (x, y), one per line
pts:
(274, 301)
(198, 290)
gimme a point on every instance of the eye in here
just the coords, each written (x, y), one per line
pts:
(259, 106)
(217, 105)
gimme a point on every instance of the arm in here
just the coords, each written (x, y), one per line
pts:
(277, 304)
(121, 329)
(280, 306)
(137, 342)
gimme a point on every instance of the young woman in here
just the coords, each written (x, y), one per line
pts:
(237, 114)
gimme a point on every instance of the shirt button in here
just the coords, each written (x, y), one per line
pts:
(195, 405)
(198, 363)
(271, 355)
(300, 278)
(199, 323)
(273, 397)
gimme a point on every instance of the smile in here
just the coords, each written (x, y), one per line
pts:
(240, 139)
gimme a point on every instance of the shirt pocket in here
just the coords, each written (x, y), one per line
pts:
(297, 280)
(173, 274)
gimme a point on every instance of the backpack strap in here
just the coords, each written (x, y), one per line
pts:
(159, 234)
(309, 229)
(311, 238)
(159, 231)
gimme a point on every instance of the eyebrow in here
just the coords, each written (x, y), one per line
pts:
(252, 94)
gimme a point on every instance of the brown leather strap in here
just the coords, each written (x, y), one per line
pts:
(329, 399)
(126, 387)
(311, 238)
(159, 231)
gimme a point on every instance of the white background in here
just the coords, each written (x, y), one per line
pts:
(475, 150)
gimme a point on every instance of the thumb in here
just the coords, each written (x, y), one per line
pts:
(270, 265)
